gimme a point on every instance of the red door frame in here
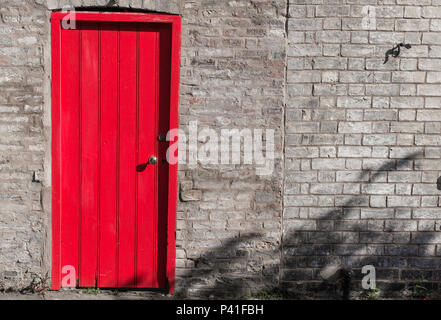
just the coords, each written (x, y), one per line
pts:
(56, 19)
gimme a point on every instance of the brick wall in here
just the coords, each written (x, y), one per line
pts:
(362, 141)
(23, 25)
(357, 142)
(233, 69)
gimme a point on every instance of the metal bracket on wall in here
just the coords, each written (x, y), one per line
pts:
(395, 51)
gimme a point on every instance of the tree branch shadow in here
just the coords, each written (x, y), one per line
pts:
(305, 254)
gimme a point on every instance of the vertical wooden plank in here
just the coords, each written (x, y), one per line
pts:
(70, 110)
(89, 154)
(127, 163)
(56, 155)
(164, 62)
(147, 188)
(109, 154)
(173, 169)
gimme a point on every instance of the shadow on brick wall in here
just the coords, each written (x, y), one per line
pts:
(296, 271)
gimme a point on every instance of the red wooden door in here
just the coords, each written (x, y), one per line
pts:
(113, 217)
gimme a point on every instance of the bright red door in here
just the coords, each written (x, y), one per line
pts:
(112, 183)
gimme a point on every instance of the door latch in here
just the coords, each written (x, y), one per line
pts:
(153, 160)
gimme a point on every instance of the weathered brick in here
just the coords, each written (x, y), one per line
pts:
(300, 225)
(429, 90)
(307, 24)
(302, 152)
(356, 50)
(434, 77)
(431, 12)
(351, 176)
(375, 237)
(354, 152)
(300, 201)
(407, 127)
(377, 213)
(333, 36)
(382, 90)
(428, 115)
(429, 64)
(404, 176)
(406, 76)
(377, 188)
(380, 115)
(427, 139)
(403, 201)
(406, 102)
(300, 50)
(426, 237)
(402, 153)
(384, 139)
(395, 250)
(385, 37)
(328, 63)
(354, 127)
(354, 102)
(352, 201)
(412, 12)
(401, 225)
(326, 188)
(412, 25)
(427, 213)
(328, 164)
(332, 11)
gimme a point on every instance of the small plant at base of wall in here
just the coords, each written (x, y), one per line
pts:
(372, 294)
(94, 291)
(419, 289)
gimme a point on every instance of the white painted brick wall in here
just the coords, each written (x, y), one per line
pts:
(390, 125)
